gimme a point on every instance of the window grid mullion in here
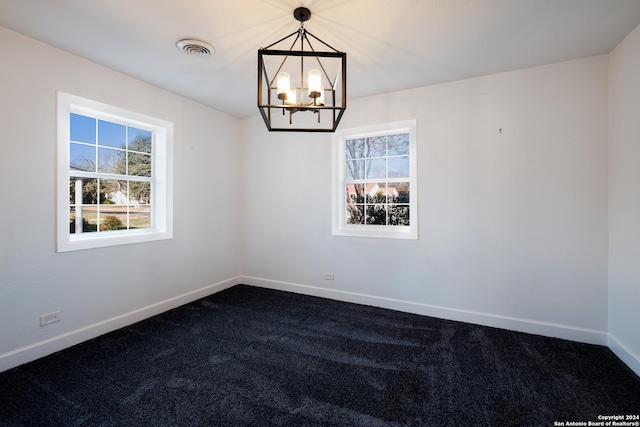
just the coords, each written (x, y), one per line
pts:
(98, 193)
(386, 190)
(95, 161)
(103, 175)
(128, 204)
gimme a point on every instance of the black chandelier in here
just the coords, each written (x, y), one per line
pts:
(302, 81)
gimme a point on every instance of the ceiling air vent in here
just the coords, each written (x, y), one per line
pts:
(195, 47)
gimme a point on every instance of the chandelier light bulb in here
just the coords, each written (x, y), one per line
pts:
(292, 96)
(284, 83)
(315, 84)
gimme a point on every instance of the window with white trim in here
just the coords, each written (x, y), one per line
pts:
(113, 175)
(375, 181)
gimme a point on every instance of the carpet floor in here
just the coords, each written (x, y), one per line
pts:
(256, 357)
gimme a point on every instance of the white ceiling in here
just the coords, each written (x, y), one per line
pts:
(390, 44)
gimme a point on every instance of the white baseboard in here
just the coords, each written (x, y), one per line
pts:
(43, 348)
(624, 353)
(536, 327)
(40, 349)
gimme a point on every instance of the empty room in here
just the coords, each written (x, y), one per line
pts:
(320, 212)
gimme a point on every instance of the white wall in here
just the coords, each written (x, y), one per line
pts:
(624, 200)
(513, 225)
(99, 290)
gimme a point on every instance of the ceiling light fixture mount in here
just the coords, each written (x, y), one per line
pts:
(304, 80)
(302, 14)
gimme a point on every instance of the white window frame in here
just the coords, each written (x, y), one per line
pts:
(161, 176)
(339, 208)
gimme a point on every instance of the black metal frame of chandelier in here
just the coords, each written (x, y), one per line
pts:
(262, 72)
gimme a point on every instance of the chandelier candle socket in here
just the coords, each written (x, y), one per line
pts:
(301, 81)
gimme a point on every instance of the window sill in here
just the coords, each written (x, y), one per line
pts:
(381, 232)
(78, 242)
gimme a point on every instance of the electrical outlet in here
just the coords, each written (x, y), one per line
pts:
(45, 319)
(328, 276)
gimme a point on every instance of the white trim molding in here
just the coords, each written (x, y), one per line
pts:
(40, 349)
(624, 353)
(548, 329)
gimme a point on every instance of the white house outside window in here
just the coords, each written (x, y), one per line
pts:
(114, 170)
(375, 181)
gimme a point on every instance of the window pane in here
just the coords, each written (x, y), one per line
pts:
(355, 169)
(86, 225)
(111, 134)
(82, 157)
(111, 161)
(140, 140)
(399, 215)
(114, 192)
(376, 169)
(377, 214)
(377, 193)
(139, 164)
(89, 191)
(82, 129)
(355, 214)
(399, 167)
(355, 193)
(376, 147)
(72, 191)
(400, 192)
(72, 220)
(113, 219)
(139, 193)
(398, 144)
(139, 217)
(354, 149)
(89, 218)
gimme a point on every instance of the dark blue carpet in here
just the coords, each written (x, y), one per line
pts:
(258, 357)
